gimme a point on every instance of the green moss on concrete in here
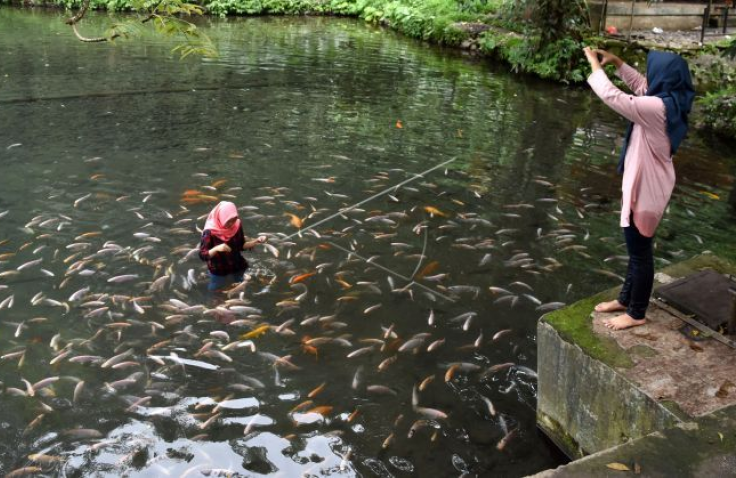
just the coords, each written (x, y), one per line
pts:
(574, 325)
(559, 436)
(675, 409)
(698, 263)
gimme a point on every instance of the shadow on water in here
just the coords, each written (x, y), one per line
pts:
(112, 155)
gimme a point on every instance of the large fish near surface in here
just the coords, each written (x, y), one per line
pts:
(184, 361)
(122, 278)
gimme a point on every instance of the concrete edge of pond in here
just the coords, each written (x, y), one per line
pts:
(706, 447)
(589, 405)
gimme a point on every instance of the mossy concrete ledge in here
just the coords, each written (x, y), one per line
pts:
(599, 390)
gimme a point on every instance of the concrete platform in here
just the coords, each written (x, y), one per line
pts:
(637, 395)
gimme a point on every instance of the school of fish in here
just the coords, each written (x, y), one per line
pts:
(357, 312)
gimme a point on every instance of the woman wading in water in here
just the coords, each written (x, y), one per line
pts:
(222, 244)
(658, 123)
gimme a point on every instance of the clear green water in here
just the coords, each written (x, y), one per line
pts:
(290, 102)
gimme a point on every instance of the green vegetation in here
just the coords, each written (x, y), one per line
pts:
(719, 111)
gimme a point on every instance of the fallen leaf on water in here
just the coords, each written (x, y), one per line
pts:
(710, 195)
(618, 466)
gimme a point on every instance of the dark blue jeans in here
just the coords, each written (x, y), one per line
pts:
(221, 282)
(640, 275)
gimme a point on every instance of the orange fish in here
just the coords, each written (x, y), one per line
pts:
(311, 349)
(295, 220)
(428, 269)
(301, 277)
(219, 183)
(191, 192)
(434, 211)
(96, 176)
(302, 406)
(317, 390)
(399, 124)
(257, 332)
(353, 415)
(322, 410)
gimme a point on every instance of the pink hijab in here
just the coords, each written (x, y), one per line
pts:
(219, 215)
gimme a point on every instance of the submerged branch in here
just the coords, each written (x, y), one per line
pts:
(92, 40)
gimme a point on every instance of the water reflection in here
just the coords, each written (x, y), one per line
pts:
(298, 116)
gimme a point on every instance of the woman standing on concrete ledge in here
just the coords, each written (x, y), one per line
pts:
(658, 123)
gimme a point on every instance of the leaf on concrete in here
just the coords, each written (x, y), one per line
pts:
(618, 466)
(724, 388)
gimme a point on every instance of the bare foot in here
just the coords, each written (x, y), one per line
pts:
(611, 306)
(623, 321)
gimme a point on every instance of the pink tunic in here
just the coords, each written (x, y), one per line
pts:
(649, 175)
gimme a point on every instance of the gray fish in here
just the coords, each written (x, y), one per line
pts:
(549, 306)
(380, 390)
(412, 344)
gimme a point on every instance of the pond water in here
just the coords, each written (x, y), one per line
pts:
(112, 155)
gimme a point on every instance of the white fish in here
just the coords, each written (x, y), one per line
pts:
(489, 404)
(78, 294)
(82, 199)
(271, 249)
(8, 302)
(29, 264)
(122, 278)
